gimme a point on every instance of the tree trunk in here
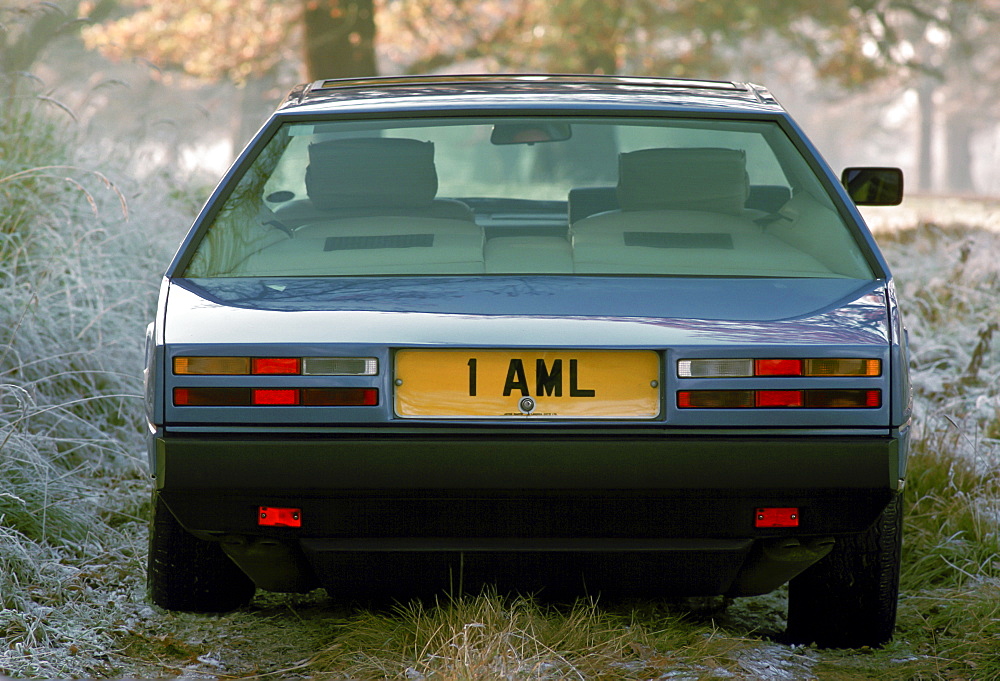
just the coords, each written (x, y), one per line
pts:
(961, 128)
(49, 22)
(339, 38)
(925, 143)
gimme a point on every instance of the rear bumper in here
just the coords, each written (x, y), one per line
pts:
(511, 487)
(602, 510)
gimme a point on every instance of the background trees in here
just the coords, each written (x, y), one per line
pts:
(940, 52)
(26, 31)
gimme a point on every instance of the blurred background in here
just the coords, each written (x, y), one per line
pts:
(118, 116)
(185, 83)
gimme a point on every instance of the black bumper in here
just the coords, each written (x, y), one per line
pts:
(466, 486)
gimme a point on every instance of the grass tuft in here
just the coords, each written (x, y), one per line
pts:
(492, 636)
(951, 536)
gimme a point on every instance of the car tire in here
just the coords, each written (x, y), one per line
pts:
(190, 574)
(848, 599)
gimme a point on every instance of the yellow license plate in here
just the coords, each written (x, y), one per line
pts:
(579, 384)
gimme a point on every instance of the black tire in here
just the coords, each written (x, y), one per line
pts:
(190, 574)
(848, 599)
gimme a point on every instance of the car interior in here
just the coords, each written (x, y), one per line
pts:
(371, 204)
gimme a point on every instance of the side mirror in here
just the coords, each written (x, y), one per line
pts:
(874, 186)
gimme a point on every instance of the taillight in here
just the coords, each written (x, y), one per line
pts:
(275, 366)
(850, 398)
(779, 399)
(744, 368)
(275, 397)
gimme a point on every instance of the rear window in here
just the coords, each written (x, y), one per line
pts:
(543, 195)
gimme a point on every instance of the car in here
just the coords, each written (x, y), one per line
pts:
(549, 333)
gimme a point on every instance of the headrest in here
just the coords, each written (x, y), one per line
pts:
(700, 178)
(371, 171)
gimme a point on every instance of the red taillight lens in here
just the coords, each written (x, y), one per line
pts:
(276, 365)
(777, 367)
(276, 397)
(779, 398)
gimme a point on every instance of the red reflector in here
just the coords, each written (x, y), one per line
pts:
(777, 367)
(776, 517)
(779, 398)
(279, 517)
(275, 396)
(276, 365)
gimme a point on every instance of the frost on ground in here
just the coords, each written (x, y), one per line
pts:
(276, 635)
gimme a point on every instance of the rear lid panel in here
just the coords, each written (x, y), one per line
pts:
(544, 338)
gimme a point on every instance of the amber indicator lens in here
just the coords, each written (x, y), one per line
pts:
(843, 367)
(211, 366)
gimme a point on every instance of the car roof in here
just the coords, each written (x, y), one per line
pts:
(527, 92)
